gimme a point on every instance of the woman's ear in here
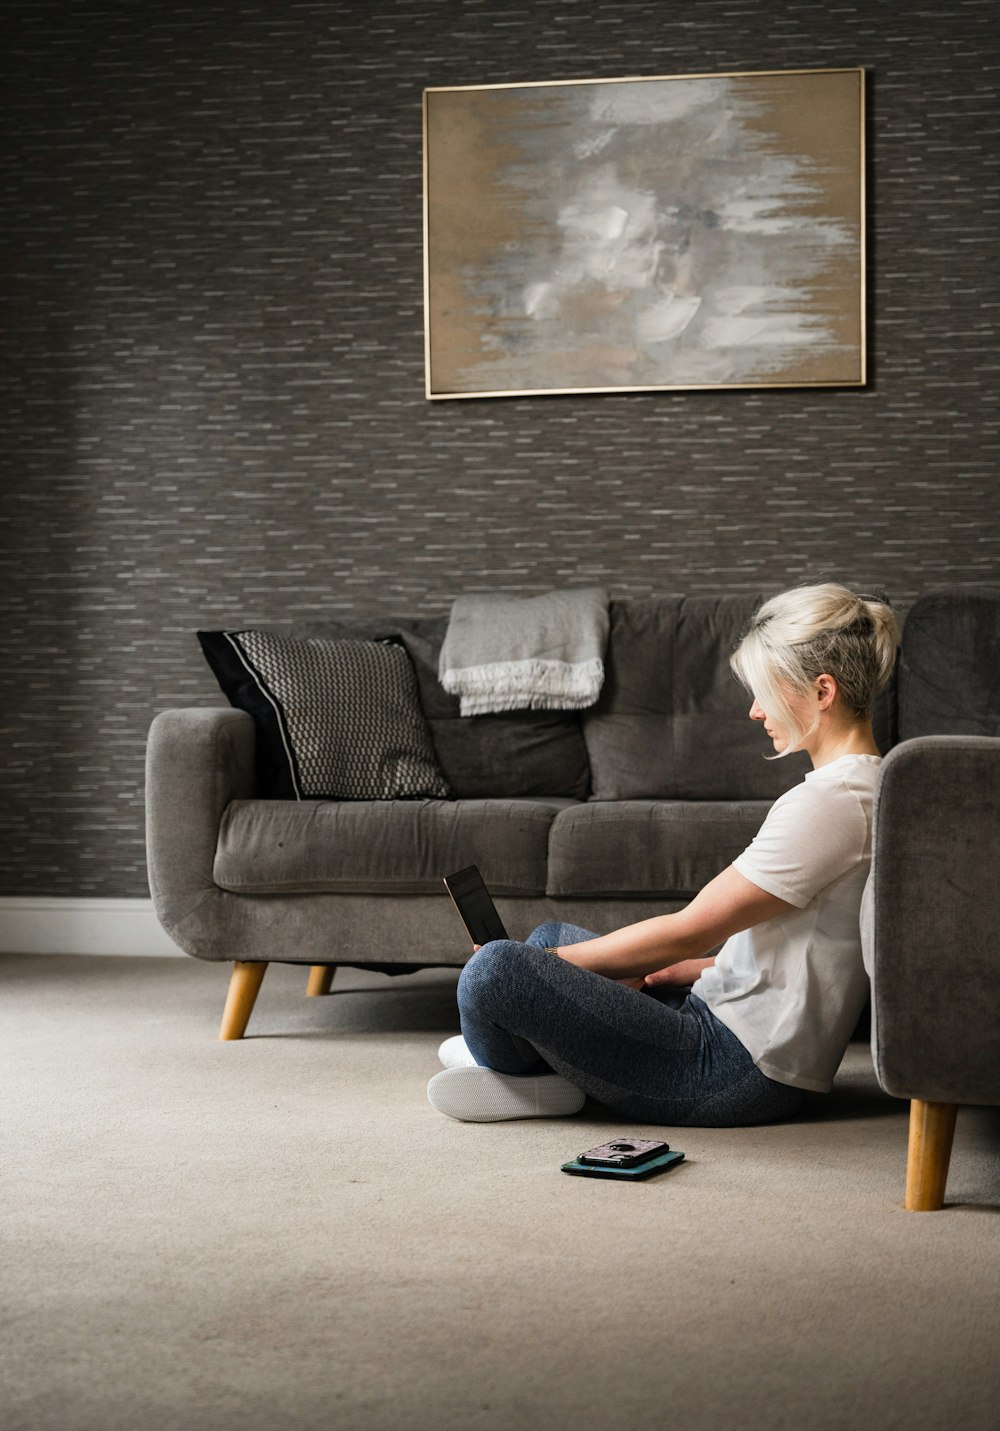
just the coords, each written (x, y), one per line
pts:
(826, 691)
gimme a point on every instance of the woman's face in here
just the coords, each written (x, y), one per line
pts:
(801, 708)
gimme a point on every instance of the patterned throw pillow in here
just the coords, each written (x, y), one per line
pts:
(336, 720)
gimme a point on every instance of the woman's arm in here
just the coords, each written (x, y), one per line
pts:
(727, 904)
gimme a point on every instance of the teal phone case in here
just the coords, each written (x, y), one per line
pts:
(641, 1170)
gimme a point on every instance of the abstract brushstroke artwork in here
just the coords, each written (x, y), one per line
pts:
(686, 232)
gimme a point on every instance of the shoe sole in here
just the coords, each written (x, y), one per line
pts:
(480, 1095)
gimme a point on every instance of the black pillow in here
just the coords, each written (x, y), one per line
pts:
(336, 720)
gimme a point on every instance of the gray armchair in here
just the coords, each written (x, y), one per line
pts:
(931, 942)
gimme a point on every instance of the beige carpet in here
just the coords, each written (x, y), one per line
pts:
(282, 1233)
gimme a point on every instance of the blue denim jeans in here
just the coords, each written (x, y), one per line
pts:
(659, 1057)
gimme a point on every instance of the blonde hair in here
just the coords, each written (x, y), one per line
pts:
(812, 631)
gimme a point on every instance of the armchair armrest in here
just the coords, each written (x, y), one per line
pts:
(197, 761)
(929, 926)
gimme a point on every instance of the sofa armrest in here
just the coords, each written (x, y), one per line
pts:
(197, 761)
(930, 920)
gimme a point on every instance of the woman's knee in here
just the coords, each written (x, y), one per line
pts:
(557, 932)
(546, 935)
(488, 974)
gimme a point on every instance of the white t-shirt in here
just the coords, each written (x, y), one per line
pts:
(792, 989)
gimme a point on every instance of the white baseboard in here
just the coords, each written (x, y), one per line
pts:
(82, 926)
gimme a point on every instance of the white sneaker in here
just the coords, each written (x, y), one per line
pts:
(454, 1053)
(481, 1095)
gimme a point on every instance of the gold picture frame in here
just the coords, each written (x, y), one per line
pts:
(637, 235)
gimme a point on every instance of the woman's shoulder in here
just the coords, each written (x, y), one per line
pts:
(848, 782)
(820, 827)
(848, 773)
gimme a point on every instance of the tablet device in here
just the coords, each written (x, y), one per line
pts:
(473, 902)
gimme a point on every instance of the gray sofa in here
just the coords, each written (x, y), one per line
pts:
(603, 816)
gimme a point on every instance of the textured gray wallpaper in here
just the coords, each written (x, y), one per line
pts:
(212, 377)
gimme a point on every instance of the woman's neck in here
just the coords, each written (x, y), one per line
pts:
(831, 742)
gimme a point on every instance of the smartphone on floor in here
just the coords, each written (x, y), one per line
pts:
(628, 1159)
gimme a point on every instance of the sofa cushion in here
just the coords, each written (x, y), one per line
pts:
(647, 847)
(628, 730)
(378, 847)
(949, 668)
(335, 719)
(672, 719)
(511, 755)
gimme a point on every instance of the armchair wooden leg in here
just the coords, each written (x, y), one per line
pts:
(932, 1128)
(244, 986)
(320, 979)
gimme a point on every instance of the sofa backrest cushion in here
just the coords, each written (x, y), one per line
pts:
(949, 668)
(516, 754)
(672, 721)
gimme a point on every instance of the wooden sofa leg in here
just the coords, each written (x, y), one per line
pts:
(932, 1128)
(244, 986)
(320, 980)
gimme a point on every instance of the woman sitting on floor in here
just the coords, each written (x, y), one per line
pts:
(569, 1013)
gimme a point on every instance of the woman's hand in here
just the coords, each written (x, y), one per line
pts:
(634, 981)
(685, 973)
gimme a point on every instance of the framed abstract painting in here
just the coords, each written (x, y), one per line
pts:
(696, 231)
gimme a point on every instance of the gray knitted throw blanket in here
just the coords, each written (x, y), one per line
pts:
(509, 653)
